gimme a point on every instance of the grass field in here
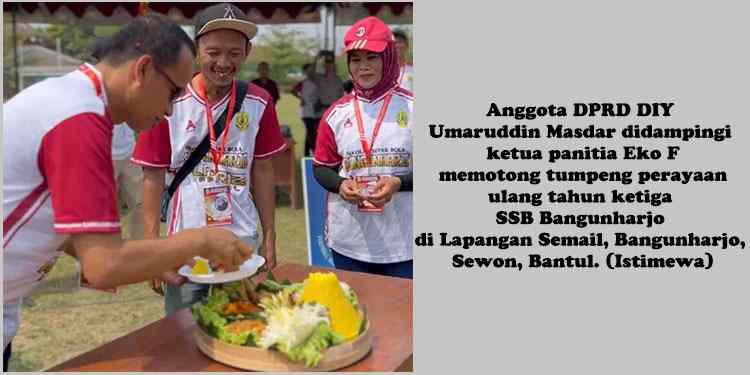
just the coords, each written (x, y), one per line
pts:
(61, 321)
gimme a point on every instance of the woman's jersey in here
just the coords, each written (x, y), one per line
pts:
(384, 237)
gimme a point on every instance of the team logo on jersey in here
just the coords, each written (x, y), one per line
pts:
(360, 32)
(402, 119)
(348, 123)
(242, 121)
(190, 126)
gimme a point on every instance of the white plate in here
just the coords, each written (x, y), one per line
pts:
(247, 269)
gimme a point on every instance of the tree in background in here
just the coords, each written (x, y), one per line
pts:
(25, 35)
(76, 40)
(9, 67)
(286, 51)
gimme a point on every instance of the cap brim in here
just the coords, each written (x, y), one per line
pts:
(367, 45)
(247, 28)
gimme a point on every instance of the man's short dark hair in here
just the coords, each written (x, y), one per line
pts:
(151, 34)
(400, 34)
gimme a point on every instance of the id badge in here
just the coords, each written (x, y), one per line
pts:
(366, 185)
(218, 205)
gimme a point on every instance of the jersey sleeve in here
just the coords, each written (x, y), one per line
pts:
(326, 149)
(153, 148)
(269, 141)
(76, 160)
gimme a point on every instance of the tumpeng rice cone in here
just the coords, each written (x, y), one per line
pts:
(324, 288)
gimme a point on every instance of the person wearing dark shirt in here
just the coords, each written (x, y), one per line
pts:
(264, 80)
(310, 106)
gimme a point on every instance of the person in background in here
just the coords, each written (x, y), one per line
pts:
(406, 75)
(330, 86)
(363, 158)
(232, 187)
(58, 176)
(310, 106)
(264, 81)
(128, 179)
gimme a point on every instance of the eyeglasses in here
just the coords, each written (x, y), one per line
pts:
(176, 90)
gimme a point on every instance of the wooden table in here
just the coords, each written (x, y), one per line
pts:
(167, 345)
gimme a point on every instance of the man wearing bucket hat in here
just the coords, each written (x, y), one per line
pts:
(235, 177)
(363, 157)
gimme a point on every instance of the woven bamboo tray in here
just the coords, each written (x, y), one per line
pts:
(257, 359)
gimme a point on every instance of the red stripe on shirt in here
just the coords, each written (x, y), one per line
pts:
(256, 98)
(272, 153)
(404, 92)
(153, 148)
(88, 227)
(202, 101)
(147, 164)
(175, 201)
(269, 140)
(23, 212)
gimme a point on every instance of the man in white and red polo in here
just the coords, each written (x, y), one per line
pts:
(58, 179)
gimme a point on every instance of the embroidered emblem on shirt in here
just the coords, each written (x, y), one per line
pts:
(402, 119)
(242, 121)
(360, 32)
(348, 123)
(190, 126)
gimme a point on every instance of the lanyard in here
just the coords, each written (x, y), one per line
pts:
(367, 146)
(217, 152)
(85, 69)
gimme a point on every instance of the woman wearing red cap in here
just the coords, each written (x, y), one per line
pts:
(364, 159)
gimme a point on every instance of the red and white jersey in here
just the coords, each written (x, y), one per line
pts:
(371, 237)
(406, 77)
(254, 133)
(58, 177)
